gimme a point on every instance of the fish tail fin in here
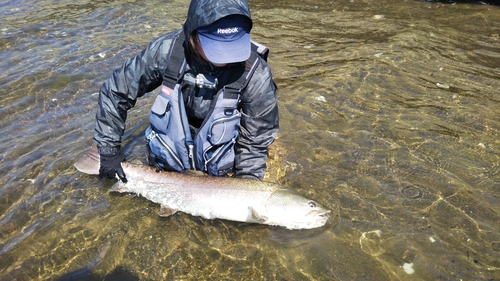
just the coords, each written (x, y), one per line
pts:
(90, 162)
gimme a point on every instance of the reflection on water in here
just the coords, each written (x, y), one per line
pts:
(389, 115)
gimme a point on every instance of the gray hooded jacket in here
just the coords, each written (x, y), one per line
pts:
(144, 73)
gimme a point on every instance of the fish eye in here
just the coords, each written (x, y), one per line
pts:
(312, 204)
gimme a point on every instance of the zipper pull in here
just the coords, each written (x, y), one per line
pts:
(191, 149)
(151, 135)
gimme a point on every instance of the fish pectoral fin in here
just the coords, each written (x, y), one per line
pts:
(119, 186)
(254, 216)
(166, 211)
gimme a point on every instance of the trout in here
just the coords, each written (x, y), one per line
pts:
(235, 199)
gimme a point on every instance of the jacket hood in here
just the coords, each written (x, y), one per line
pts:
(204, 12)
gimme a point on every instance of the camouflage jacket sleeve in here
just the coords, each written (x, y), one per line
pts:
(259, 124)
(137, 76)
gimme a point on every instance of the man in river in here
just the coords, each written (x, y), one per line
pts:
(216, 111)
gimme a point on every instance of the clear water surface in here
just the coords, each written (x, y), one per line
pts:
(389, 116)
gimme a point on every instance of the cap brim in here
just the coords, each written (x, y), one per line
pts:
(226, 52)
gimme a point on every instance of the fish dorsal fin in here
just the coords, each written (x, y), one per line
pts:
(166, 211)
(253, 216)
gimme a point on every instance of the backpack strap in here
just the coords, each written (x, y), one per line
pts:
(260, 49)
(176, 63)
(233, 90)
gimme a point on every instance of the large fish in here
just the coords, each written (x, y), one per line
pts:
(235, 199)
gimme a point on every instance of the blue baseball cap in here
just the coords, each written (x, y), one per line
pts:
(227, 40)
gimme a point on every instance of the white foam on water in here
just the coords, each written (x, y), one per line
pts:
(408, 268)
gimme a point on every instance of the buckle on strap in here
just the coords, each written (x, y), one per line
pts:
(151, 135)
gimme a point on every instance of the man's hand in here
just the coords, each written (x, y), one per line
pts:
(111, 166)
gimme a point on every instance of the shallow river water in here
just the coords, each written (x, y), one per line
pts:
(389, 116)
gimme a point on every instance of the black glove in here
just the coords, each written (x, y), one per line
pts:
(111, 166)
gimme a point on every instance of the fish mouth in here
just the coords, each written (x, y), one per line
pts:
(325, 215)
